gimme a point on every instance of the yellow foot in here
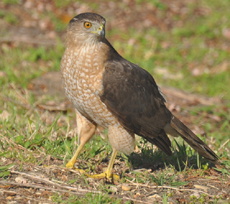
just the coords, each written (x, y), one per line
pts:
(70, 164)
(81, 171)
(106, 174)
(110, 177)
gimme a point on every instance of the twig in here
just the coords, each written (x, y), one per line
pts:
(9, 141)
(140, 201)
(169, 187)
(223, 145)
(33, 107)
(52, 183)
(27, 197)
(64, 169)
(213, 186)
(43, 187)
(19, 95)
(15, 102)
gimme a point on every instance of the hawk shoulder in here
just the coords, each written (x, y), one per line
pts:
(132, 95)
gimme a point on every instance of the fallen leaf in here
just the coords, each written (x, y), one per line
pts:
(226, 33)
(126, 188)
(2, 74)
(4, 115)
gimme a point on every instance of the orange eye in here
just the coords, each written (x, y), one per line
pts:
(87, 24)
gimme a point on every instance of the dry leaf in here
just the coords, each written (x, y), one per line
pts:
(126, 188)
(4, 115)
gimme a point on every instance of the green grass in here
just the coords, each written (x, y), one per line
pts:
(10, 2)
(88, 198)
(31, 135)
(8, 17)
(188, 48)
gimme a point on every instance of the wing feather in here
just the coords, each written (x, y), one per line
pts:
(132, 95)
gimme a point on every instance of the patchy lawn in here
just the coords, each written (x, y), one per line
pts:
(185, 45)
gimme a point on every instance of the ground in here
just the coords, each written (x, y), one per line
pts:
(184, 45)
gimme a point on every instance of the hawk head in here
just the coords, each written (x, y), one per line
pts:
(86, 28)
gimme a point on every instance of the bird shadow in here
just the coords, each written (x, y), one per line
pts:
(182, 157)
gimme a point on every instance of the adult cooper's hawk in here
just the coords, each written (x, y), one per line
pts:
(109, 91)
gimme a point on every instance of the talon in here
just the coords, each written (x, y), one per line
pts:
(104, 175)
(70, 164)
(81, 171)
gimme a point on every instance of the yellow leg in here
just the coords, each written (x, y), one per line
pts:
(85, 131)
(72, 161)
(108, 173)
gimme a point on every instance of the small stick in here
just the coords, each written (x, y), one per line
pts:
(53, 184)
(27, 197)
(81, 191)
(138, 201)
(223, 145)
(169, 187)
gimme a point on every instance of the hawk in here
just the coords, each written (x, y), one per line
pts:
(109, 91)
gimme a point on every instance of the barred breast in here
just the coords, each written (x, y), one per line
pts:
(82, 72)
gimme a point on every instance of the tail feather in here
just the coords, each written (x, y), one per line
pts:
(162, 141)
(195, 142)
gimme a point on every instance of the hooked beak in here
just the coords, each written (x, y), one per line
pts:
(100, 31)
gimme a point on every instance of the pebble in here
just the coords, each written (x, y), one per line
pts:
(20, 179)
(113, 189)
